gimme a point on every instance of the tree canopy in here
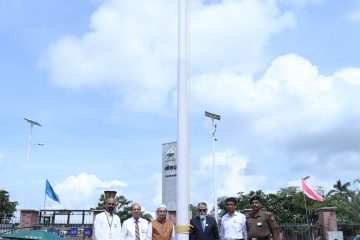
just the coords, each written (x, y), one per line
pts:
(288, 204)
(7, 208)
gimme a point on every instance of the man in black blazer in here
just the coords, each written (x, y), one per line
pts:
(203, 227)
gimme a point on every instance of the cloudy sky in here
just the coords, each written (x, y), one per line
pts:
(101, 78)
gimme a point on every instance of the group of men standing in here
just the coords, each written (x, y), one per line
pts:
(107, 225)
(256, 225)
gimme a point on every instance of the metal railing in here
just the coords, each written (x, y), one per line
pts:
(288, 230)
(314, 231)
(299, 230)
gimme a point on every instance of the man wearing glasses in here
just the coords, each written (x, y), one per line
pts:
(233, 224)
(203, 227)
(261, 224)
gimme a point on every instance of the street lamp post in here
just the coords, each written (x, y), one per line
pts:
(214, 117)
(32, 123)
(306, 211)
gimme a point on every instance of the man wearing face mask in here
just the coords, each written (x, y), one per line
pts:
(203, 227)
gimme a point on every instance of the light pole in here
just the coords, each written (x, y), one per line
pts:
(32, 123)
(306, 211)
(214, 117)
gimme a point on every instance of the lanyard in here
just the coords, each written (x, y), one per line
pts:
(110, 223)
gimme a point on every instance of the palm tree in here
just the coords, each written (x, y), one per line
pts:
(341, 191)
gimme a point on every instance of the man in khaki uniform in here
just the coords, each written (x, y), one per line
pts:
(261, 224)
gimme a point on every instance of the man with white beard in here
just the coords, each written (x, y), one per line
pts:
(203, 227)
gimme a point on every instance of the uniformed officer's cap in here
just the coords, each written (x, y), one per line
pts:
(258, 198)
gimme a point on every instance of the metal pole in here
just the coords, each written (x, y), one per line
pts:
(32, 123)
(213, 117)
(182, 186)
(306, 213)
(214, 170)
(307, 218)
(27, 167)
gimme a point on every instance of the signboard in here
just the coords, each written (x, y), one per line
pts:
(169, 175)
(73, 232)
(88, 232)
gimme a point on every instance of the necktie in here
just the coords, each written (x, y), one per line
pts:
(203, 225)
(137, 233)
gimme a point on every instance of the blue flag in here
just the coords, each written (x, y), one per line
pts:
(50, 192)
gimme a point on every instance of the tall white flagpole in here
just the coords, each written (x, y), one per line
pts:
(182, 187)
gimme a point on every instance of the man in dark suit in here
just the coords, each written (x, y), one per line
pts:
(203, 227)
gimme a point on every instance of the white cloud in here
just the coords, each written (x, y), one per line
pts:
(290, 97)
(231, 36)
(307, 118)
(230, 174)
(83, 191)
(303, 96)
(350, 75)
(132, 47)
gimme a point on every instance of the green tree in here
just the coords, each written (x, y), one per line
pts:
(288, 204)
(355, 206)
(123, 207)
(340, 191)
(7, 208)
(193, 210)
(354, 201)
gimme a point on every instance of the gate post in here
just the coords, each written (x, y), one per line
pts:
(29, 218)
(327, 218)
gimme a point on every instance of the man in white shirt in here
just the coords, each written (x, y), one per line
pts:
(107, 225)
(233, 224)
(135, 227)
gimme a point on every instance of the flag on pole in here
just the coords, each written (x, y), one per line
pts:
(50, 192)
(308, 191)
